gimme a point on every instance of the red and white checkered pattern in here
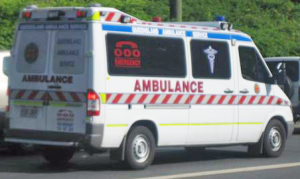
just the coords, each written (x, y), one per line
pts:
(194, 99)
(48, 95)
(116, 17)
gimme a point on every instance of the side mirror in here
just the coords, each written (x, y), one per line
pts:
(280, 73)
(6, 65)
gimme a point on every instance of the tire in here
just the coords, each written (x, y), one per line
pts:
(58, 155)
(195, 150)
(140, 148)
(274, 139)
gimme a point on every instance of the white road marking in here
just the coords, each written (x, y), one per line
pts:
(227, 171)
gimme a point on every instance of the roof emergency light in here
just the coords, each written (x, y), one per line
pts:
(81, 14)
(26, 15)
(220, 18)
(157, 19)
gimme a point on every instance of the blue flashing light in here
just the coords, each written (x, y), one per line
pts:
(220, 18)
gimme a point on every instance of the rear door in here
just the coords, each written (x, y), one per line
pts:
(49, 88)
(29, 69)
(66, 110)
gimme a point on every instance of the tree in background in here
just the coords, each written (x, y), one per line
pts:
(273, 24)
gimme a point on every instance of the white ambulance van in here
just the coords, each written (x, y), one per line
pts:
(99, 79)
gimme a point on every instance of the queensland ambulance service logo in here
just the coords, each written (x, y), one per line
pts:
(127, 55)
(31, 53)
(211, 56)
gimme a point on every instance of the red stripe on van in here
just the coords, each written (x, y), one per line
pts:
(231, 99)
(200, 99)
(189, 99)
(261, 99)
(142, 99)
(117, 98)
(61, 96)
(166, 99)
(211, 99)
(110, 16)
(75, 97)
(241, 101)
(108, 96)
(251, 99)
(20, 94)
(129, 99)
(154, 99)
(33, 94)
(270, 100)
(178, 99)
(221, 100)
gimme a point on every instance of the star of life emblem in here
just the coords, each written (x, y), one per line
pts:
(211, 57)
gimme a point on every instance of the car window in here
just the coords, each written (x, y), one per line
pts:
(133, 55)
(69, 52)
(252, 66)
(32, 50)
(210, 59)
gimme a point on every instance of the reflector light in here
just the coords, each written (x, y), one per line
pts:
(93, 103)
(81, 14)
(157, 19)
(26, 15)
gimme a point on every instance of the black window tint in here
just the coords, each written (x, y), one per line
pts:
(210, 59)
(252, 66)
(145, 56)
(292, 69)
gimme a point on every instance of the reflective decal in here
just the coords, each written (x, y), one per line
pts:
(31, 53)
(211, 57)
(127, 55)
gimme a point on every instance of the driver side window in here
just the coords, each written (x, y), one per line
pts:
(252, 67)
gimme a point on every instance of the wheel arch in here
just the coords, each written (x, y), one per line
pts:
(151, 125)
(282, 120)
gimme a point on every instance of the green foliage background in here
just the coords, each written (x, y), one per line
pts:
(273, 24)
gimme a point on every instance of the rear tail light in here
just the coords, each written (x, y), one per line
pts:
(7, 108)
(93, 103)
(81, 14)
(26, 15)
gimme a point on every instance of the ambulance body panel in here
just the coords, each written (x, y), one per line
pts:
(94, 81)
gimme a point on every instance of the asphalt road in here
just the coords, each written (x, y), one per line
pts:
(215, 163)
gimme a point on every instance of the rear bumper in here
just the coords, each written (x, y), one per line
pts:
(92, 138)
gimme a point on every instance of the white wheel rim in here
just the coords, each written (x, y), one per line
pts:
(140, 148)
(275, 139)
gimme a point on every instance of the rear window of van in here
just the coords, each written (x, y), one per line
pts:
(132, 55)
(31, 52)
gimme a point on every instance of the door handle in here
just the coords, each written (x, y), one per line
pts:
(244, 91)
(228, 91)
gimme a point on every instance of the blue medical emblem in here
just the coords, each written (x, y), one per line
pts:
(211, 57)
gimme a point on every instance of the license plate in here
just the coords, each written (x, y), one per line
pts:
(29, 112)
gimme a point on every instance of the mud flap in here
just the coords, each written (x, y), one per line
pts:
(119, 153)
(257, 148)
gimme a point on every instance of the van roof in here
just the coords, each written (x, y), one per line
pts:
(112, 15)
